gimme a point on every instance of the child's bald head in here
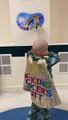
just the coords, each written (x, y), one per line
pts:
(39, 46)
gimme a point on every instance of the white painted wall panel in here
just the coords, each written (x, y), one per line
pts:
(21, 37)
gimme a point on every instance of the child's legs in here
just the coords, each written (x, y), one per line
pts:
(45, 114)
(37, 113)
(33, 113)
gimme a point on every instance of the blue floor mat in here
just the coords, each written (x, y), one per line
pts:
(22, 113)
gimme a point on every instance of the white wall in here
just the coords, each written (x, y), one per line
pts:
(14, 82)
(21, 37)
(60, 79)
(59, 21)
(4, 22)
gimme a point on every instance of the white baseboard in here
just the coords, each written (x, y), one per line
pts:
(20, 88)
(12, 88)
(62, 86)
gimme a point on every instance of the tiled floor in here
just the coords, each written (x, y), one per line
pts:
(10, 100)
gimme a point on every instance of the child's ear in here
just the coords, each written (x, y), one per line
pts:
(32, 51)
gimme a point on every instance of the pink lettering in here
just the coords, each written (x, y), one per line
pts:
(34, 94)
(27, 78)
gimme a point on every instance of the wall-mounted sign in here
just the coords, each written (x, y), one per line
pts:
(28, 21)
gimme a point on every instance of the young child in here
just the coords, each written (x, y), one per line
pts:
(39, 80)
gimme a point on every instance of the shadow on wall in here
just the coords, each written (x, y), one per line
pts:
(41, 33)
